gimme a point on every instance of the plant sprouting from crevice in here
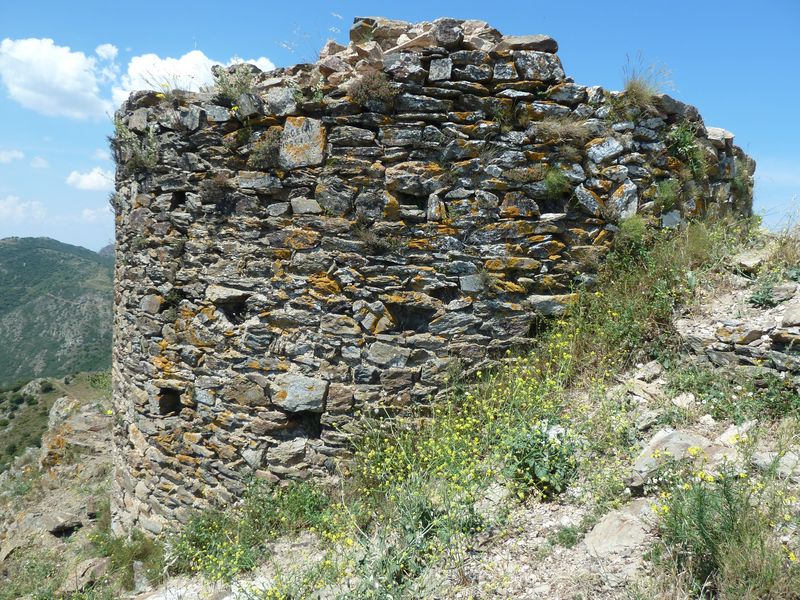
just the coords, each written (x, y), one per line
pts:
(137, 154)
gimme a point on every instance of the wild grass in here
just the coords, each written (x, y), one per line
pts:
(230, 83)
(372, 87)
(667, 195)
(784, 254)
(726, 532)
(139, 155)
(740, 184)
(32, 572)
(642, 84)
(556, 184)
(221, 544)
(124, 552)
(726, 396)
(682, 143)
(557, 130)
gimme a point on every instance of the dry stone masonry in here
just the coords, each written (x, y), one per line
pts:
(299, 246)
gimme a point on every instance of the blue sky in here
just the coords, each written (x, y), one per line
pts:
(64, 65)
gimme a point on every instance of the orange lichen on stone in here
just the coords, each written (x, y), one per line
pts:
(602, 237)
(187, 460)
(509, 286)
(513, 263)
(419, 244)
(301, 239)
(323, 284)
(163, 364)
(192, 437)
(391, 210)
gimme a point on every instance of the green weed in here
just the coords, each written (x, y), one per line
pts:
(139, 155)
(556, 184)
(682, 143)
(725, 530)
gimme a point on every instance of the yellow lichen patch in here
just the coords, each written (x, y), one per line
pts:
(579, 233)
(209, 312)
(191, 437)
(602, 237)
(163, 345)
(165, 486)
(187, 460)
(509, 286)
(511, 264)
(445, 229)
(265, 121)
(298, 152)
(301, 239)
(673, 164)
(535, 156)
(419, 244)
(548, 282)
(164, 364)
(530, 174)
(323, 284)
(518, 228)
(496, 184)
(391, 210)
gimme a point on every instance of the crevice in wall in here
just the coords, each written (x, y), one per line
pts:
(169, 401)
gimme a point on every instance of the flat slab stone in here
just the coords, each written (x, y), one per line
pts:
(297, 393)
(306, 206)
(538, 41)
(791, 318)
(665, 445)
(620, 531)
(302, 143)
(219, 294)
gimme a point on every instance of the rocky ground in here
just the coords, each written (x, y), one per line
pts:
(723, 329)
(53, 496)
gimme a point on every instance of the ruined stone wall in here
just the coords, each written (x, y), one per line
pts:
(341, 235)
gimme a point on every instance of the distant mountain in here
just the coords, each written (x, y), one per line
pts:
(55, 309)
(107, 251)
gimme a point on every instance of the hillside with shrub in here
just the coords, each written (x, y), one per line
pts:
(55, 309)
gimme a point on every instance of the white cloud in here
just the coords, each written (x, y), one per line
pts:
(12, 209)
(6, 156)
(55, 81)
(189, 72)
(37, 162)
(100, 154)
(96, 180)
(92, 215)
(52, 80)
(106, 51)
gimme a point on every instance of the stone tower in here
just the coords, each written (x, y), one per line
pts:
(300, 245)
